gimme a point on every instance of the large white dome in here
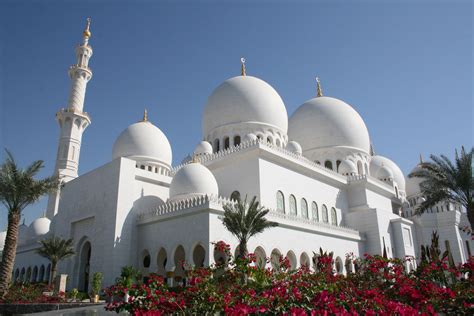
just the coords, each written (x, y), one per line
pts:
(145, 142)
(325, 122)
(192, 180)
(39, 227)
(246, 101)
(377, 162)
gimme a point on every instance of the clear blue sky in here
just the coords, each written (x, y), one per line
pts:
(405, 66)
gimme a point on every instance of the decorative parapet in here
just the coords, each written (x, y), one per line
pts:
(171, 208)
(364, 177)
(276, 214)
(262, 144)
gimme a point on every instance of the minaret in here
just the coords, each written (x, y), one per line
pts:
(72, 120)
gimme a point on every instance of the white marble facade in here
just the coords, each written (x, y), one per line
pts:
(315, 171)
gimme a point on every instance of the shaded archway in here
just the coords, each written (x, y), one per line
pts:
(84, 267)
(275, 257)
(48, 272)
(261, 257)
(28, 275)
(304, 260)
(339, 266)
(179, 261)
(41, 273)
(292, 258)
(16, 275)
(34, 277)
(22, 275)
(161, 261)
(199, 255)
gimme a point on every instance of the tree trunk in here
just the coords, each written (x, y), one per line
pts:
(54, 268)
(242, 249)
(242, 254)
(9, 251)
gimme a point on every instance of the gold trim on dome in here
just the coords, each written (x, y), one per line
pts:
(319, 89)
(87, 33)
(242, 67)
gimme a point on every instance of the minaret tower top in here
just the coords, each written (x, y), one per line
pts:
(72, 119)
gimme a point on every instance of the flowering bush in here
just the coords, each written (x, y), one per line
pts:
(32, 293)
(379, 286)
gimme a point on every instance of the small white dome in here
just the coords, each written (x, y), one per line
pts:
(294, 147)
(3, 235)
(384, 174)
(203, 148)
(39, 227)
(22, 233)
(249, 137)
(347, 168)
(143, 141)
(413, 184)
(244, 100)
(378, 162)
(325, 122)
(192, 180)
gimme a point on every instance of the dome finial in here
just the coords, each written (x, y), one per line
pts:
(145, 116)
(318, 84)
(87, 33)
(421, 159)
(242, 68)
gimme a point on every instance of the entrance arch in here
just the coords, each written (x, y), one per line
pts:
(84, 267)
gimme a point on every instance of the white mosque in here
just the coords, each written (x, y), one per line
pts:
(315, 171)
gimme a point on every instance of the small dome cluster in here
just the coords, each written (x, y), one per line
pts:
(193, 180)
(386, 170)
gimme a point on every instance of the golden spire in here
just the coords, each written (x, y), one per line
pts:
(145, 116)
(87, 33)
(421, 159)
(318, 85)
(242, 68)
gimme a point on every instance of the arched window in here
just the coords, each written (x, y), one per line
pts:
(359, 168)
(280, 202)
(317, 162)
(337, 165)
(235, 196)
(328, 164)
(304, 208)
(269, 140)
(226, 143)
(325, 214)
(333, 216)
(293, 210)
(314, 211)
(216, 145)
(146, 260)
(236, 140)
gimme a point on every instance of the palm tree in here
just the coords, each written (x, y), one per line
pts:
(444, 180)
(18, 189)
(245, 220)
(55, 249)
